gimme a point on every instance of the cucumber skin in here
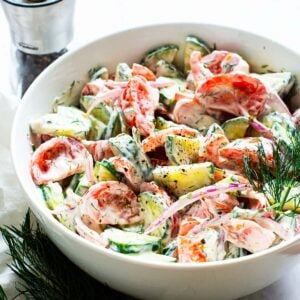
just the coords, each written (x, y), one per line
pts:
(98, 72)
(53, 194)
(193, 43)
(128, 242)
(123, 72)
(236, 128)
(161, 123)
(125, 145)
(165, 52)
(148, 202)
(101, 112)
(83, 185)
(127, 249)
(110, 167)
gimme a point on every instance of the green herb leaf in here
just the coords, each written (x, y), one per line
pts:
(2, 294)
(277, 180)
(45, 272)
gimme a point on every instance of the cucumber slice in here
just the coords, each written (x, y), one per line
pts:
(281, 83)
(231, 179)
(83, 185)
(166, 53)
(193, 43)
(69, 97)
(105, 171)
(124, 128)
(125, 145)
(98, 72)
(68, 121)
(74, 181)
(151, 256)
(280, 118)
(123, 72)
(113, 126)
(102, 112)
(118, 124)
(281, 126)
(201, 123)
(162, 123)
(109, 166)
(236, 128)
(137, 228)
(280, 134)
(167, 94)
(214, 129)
(53, 194)
(170, 249)
(211, 247)
(163, 68)
(181, 150)
(68, 210)
(152, 207)
(131, 242)
(97, 129)
(233, 251)
(180, 180)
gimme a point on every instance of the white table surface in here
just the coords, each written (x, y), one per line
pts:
(276, 19)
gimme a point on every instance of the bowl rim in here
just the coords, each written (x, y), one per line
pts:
(72, 236)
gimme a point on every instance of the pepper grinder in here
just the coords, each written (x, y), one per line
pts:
(40, 32)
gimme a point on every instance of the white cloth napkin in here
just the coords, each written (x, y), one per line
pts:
(12, 198)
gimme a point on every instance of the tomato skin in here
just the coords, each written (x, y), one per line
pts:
(212, 146)
(190, 250)
(189, 247)
(57, 159)
(138, 69)
(238, 149)
(221, 62)
(237, 94)
(138, 103)
(249, 235)
(99, 149)
(111, 203)
(94, 87)
(187, 224)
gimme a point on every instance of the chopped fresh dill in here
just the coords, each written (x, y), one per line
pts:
(278, 179)
(228, 67)
(45, 272)
(2, 294)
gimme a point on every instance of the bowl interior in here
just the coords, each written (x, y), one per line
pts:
(128, 46)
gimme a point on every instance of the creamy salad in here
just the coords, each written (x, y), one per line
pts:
(197, 163)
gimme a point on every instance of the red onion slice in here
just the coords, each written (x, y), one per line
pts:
(192, 197)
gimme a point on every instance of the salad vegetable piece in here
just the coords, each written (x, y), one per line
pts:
(174, 165)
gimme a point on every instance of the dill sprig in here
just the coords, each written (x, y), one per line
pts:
(45, 272)
(278, 179)
(2, 294)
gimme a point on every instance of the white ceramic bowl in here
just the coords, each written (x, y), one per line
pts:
(149, 280)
